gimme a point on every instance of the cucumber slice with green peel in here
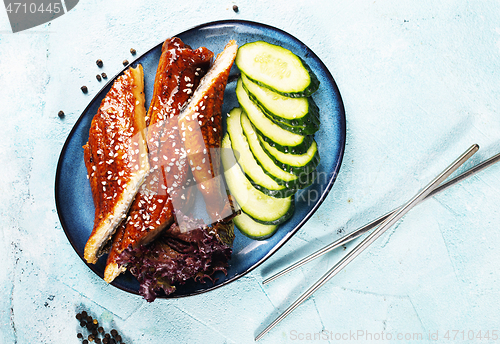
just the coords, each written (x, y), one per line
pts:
(254, 172)
(276, 68)
(261, 207)
(308, 129)
(282, 177)
(293, 163)
(277, 137)
(286, 108)
(252, 228)
(298, 115)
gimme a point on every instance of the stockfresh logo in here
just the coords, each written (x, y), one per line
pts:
(24, 15)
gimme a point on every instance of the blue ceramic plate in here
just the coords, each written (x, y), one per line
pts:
(72, 190)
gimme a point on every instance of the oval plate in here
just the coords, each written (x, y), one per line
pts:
(72, 190)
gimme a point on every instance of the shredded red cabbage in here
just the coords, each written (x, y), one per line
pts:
(176, 257)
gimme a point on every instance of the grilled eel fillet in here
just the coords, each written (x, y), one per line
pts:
(200, 125)
(116, 157)
(179, 72)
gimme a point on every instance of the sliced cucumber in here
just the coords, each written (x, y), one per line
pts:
(261, 207)
(247, 162)
(293, 163)
(298, 115)
(276, 68)
(277, 137)
(282, 177)
(252, 228)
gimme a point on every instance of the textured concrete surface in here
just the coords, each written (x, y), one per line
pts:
(420, 83)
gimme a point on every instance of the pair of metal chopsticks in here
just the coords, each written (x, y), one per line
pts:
(385, 221)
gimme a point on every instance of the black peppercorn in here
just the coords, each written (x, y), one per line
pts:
(118, 338)
(132, 51)
(98, 77)
(99, 63)
(235, 8)
(85, 341)
(84, 89)
(125, 62)
(83, 323)
(61, 115)
(78, 315)
(84, 314)
(105, 341)
(100, 329)
(79, 335)
(98, 340)
(104, 76)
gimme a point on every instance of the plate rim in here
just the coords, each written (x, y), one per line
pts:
(287, 236)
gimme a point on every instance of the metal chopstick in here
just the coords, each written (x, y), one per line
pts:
(374, 236)
(360, 231)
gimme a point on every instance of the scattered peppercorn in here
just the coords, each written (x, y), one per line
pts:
(118, 338)
(79, 335)
(98, 340)
(113, 332)
(105, 340)
(236, 9)
(132, 51)
(85, 341)
(84, 89)
(104, 76)
(82, 323)
(125, 62)
(99, 63)
(98, 77)
(61, 115)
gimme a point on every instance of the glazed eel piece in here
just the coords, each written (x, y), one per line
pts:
(200, 126)
(165, 190)
(116, 157)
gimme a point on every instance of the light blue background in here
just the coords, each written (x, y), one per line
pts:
(420, 84)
